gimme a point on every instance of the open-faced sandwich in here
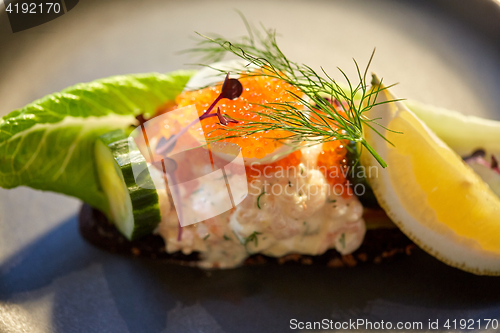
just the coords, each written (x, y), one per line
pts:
(259, 160)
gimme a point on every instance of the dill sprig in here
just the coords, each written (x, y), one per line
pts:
(311, 117)
(252, 238)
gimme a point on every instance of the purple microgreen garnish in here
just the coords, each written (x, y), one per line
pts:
(179, 233)
(335, 102)
(231, 120)
(476, 153)
(479, 157)
(170, 165)
(494, 162)
(225, 120)
(141, 119)
(231, 89)
(161, 144)
(222, 119)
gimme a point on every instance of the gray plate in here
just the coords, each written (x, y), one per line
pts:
(442, 52)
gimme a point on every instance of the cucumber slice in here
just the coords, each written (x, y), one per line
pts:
(133, 203)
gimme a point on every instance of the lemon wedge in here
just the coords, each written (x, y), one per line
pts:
(430, 193)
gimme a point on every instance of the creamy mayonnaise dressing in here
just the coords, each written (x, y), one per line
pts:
(285, 212)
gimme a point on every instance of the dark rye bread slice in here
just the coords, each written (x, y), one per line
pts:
(381, 244)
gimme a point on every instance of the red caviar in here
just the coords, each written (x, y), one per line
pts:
(256, 90)
(332, 161)
(288, 162)
(263, 90)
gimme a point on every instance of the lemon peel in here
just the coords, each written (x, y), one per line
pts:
(430, 193)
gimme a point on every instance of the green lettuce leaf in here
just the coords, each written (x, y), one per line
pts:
(49, 144)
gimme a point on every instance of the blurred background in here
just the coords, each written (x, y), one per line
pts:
(441, 52)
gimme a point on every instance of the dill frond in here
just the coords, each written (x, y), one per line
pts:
(311, 117)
